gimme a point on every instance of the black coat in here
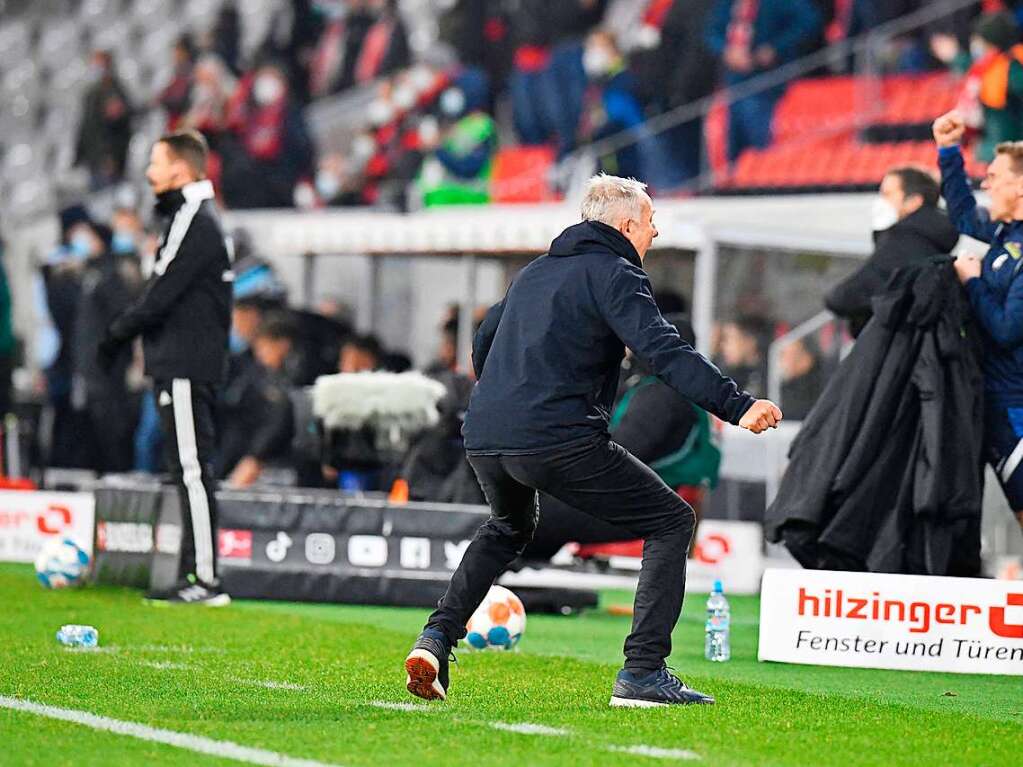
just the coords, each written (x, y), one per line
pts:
(548, 356)
(913, 240)
(185, 313)
(885, 474)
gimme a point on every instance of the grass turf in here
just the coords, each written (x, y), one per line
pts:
(303, 680)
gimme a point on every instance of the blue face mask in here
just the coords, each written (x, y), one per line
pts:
(122, 242)
(236, 344)
(80, 246)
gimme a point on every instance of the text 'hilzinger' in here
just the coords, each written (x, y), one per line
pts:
(919, 614)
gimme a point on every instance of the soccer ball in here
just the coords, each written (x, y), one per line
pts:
(498, 623)
(61, 563)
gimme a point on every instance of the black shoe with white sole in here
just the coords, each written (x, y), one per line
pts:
(190, 591)
(427, 666)
(658, 688)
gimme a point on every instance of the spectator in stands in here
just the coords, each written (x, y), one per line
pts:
(753, 37)
(62, 285)
(110, 284)
(456, 169)
(7, 342)
(210, 95)
(479, 31)
(741, 357)
(548, 81)
(226, 38)
(670, 60)
(337, 184)
(272, 149)
(385, 49)
(991, 101)
(127, 232)
(908, 227)
(360, 354)
(176, 95)
(334, 58)
(259, 423)
(105, 128)
(802, 377)
(613, 106)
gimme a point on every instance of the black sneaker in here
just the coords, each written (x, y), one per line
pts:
(427, 666)
(658, 688)
(190, 591)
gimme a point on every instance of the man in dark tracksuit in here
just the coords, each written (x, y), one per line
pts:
(548, 359)
(995, 288)
(183, 318)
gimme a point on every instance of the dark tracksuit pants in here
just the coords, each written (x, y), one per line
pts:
(186, 416)
(605, 480)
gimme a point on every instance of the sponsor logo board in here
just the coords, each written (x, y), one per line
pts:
(29, 519)
(870, 620)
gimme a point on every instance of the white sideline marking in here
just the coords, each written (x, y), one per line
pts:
(272, 685)
(528, 728)
(164, 665)
(225, 749)
(394, 706)
(655, 752)
(98, 650)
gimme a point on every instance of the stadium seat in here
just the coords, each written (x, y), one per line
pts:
(520, 174)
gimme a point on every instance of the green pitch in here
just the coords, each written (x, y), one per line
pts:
(315, 682)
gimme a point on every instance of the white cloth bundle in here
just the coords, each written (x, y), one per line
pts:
(385, 401)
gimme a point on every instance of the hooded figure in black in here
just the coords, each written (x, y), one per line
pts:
(548, 359)
(908, 229)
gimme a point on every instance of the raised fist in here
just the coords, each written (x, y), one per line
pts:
(949, 128)
(763, 415)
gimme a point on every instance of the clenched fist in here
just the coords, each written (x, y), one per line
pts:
(763, 415)
(949, 128)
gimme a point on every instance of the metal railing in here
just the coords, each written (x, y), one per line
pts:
(862, 49)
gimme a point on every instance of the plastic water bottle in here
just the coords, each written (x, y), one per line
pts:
(78, 636)
(716, 644)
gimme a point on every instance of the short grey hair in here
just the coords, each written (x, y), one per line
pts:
(612, 199)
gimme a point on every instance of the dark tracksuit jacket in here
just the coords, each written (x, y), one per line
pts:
(548, 356)
(997, 301)
(997, 295)
(913, 240)
(184, 317)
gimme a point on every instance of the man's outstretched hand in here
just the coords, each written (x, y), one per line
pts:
(763, 415)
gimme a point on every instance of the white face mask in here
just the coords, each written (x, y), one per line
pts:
(452, 102)
(363, 147)
(421, 78)
(267, 89)
(404, 97)
(977, 48)
(429, 130)
(883, 215)
(327, 185)
(596, 61)
(380, 112)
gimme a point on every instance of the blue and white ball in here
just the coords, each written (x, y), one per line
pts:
(61, 563)
(498, 623)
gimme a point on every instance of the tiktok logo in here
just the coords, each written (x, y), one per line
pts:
(277, 549)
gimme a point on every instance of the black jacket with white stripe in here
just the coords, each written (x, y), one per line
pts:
(184, 316)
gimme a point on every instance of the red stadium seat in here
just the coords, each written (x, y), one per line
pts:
(520, 174)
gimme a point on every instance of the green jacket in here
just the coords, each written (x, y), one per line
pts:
(696, 462)
(6, 318)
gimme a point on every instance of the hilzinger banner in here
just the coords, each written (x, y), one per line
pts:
(870, 620)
